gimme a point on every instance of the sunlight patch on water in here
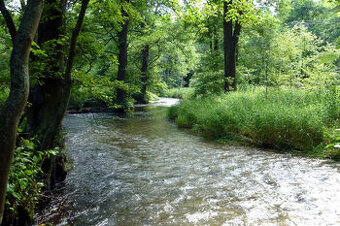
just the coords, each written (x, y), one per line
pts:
(198, 217)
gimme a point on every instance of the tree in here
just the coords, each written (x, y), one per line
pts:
(231, 33)
(14, 105)
(123, 54)
(49, 93)
(235, 13)
(50, 96)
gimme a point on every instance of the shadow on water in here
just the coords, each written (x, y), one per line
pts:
(140, 169)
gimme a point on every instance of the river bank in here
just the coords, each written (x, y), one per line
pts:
(299, 121)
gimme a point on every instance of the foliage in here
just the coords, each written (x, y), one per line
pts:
(24, 186)
(208, 83)
(4, 66)
(277, 56)
(282, 119)
(90, 91)
(170, 55)
(289, 48)
(180, 93)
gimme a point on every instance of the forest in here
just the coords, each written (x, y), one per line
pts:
(253, 73)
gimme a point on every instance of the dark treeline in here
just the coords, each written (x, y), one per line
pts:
(57, 55)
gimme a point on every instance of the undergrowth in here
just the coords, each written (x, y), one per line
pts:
(24, 184)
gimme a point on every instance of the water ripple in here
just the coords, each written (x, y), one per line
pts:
(142, 170)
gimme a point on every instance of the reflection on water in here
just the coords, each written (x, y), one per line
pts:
(142, 170)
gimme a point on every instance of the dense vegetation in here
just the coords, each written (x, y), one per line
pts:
(259, 72)
(287, 119)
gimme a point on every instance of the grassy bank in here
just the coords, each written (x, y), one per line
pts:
(292, 119)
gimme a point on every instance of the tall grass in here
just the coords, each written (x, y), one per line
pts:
(280, 119)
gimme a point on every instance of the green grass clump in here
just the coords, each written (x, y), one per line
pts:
(180, 93)
(290, 119)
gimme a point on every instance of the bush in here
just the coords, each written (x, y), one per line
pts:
(282, 119)
(24, 187)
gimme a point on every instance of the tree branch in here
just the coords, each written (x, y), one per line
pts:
(74, 37)
(9, 20)
(23, 5)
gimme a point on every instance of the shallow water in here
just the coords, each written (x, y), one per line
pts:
(142, 170)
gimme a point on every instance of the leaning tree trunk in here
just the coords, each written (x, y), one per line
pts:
(122, 56)
(231, 36)
(50, 97)
(17, 99)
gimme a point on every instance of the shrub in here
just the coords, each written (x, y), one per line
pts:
(24, 187)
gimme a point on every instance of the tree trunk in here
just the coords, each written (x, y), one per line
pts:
(8, 19)
(231, 36)
(17, 99)
(44, 115)
(122, 56)
(236, 34)
(187, 79)
(50, 97)
(228, 35)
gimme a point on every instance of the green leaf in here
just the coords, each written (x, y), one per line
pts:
(29, 172)
(30, 145)
(23, 183)
(35, 159)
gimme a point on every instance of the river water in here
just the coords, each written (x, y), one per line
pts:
(142, 170)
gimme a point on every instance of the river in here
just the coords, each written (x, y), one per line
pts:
(142, 170)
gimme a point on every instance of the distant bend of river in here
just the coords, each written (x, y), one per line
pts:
(142, 170)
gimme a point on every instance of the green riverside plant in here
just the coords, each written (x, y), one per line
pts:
(24, 183)
(286, 119)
